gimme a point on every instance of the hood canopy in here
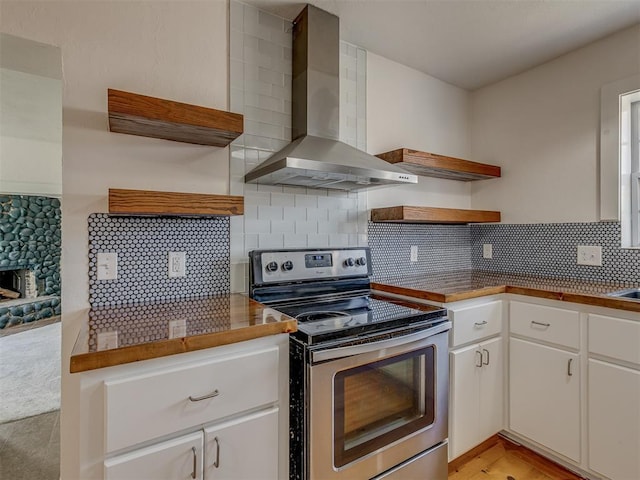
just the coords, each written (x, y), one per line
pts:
(316, 158)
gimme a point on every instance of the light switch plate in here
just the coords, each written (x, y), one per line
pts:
(107, 266)
(107, 340)
(414, 253)
(177, 328)
(590, 255)
(487, 250)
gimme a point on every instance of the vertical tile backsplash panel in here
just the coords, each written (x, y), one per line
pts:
(260, 80)
(550, 250)
(143, 245)
(441, 248)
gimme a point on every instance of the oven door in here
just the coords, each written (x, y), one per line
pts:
(375, 405)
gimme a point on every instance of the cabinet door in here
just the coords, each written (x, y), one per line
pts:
(544, 385)
(177, 459)
(464, 425)
(243, 449)
(491, 388)
(614, 420)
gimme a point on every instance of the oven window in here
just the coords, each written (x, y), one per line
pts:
(381, 402)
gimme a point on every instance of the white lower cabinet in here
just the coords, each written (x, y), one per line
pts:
(476, 400)
(614, 397)
(176, 459)
(219, 414)
(614, 420)
(544, 386)
(243, 449)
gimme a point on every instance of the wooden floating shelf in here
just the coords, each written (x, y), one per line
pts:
(440, 166)
(136, 114)
(405, 214)
(146, 202)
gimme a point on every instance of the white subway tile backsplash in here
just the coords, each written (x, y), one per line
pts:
(257, 198)
(282, 200)
(283, 226)
(250, 242)
(271, 103)
(308, 227)
(317, 214)
(269, 213)
(339, 215)
(270, 76)
(272, 22)
(306, 201)
(250, 212)
(236, 50)
(258, 87)
(258, 227)
(286, 216)
(326, 227)
(273, 240)
(330, 202)
(317, 241)
(294, 214)
(295, 241)
(338, 240)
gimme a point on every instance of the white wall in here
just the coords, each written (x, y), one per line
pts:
(409, 109)
(175, 50)
(542, 127)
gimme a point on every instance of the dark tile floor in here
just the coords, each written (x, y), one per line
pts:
(30, 448)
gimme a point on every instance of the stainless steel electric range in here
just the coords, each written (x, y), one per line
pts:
(369, 375)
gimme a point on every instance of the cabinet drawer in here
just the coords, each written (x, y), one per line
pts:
(471, 324)
(554, 325)
(615, 338)
(148, 406)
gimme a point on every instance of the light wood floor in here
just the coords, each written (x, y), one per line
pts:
(499, 459)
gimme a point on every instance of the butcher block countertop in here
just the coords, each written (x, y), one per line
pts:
(125, 334)
(464, 284)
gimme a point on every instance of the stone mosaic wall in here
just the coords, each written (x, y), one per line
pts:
(30, 238)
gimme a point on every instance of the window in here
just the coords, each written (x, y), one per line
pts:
(630, 168)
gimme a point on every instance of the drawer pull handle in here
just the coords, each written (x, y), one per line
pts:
(569, 372)
(478, 357)
(195, 462)
(533, 322)
(217, 462)
(484, 350)
(215, 393)
(479, 324)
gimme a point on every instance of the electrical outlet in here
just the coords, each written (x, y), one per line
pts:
(177, 264)
(107, 266)
(590, 255)
(177, 328)
(107, 340)
(487, 250)
(414, 253)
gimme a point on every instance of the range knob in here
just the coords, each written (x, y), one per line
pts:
(349, 262)
(287, 266)
(361, 261)
(272, 267)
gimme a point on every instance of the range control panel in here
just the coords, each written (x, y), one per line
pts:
(298, 265)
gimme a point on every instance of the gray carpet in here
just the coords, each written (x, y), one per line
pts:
(30, 373)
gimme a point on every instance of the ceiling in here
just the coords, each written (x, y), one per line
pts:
(470, 43)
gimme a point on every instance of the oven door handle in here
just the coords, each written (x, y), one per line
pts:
(341, 352)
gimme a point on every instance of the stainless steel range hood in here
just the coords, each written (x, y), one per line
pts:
(316, 158)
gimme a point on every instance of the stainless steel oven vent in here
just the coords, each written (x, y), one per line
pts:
(316, 157)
